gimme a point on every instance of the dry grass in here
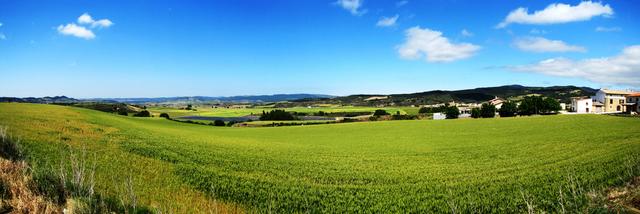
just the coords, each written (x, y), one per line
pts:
(19, 189)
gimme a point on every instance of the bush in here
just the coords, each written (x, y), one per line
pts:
(487, 110)
(123, 112)
(452, 112)
(218, 123)
(165, 115)
(144, 113)
(428, 110)
(231, 123)
(538, 105)
(508, 109)
(380, 112)
(277, 115)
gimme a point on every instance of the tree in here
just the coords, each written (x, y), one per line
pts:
(508, 109)
(551, 106)
(123, 112)
(165, 115)
(144, 113)
(530, 105)
(189, 107)
(452, 112)
(487, 110)
(475, 112)
(218, 123)
(380, 112)
(277, 114)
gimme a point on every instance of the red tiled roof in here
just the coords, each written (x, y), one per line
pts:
(634, 95)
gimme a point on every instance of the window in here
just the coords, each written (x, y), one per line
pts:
(621, 101)
(610, 101)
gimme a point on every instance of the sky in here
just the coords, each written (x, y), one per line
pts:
(88, 49)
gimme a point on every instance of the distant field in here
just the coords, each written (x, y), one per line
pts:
(483, 165)
(238, 112)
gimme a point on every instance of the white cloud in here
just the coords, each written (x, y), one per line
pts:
(426, 42)
(2, 36)
(623, 69)
(0, 24)
(557, 13)
(86, 19)
(75, 30)
(352, 6)
(401, 3)
(540, 44)
(466, 33)
(608, 29)
(387, 21)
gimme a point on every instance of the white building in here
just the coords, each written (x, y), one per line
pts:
(582, 105)
(439, 116)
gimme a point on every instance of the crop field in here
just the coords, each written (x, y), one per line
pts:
(238, 112)
(542, 163)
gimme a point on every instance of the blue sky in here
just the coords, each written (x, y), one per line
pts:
(221, 48)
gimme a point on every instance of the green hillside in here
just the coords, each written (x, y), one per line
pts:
(484, 165)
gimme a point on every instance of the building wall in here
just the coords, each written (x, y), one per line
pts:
(582, 106)
(614, 104)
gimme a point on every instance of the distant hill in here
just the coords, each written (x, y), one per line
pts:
(205, 99)
(477, 95)
(56, 99)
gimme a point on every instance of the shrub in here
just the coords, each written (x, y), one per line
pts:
(231, 123)
(380, 112)
(218, 123)
(427, 110)
(144, 113)
(487, 110)
(165, 115)
(123, 112)
(508, 109)
(538, 105)
(452, 112)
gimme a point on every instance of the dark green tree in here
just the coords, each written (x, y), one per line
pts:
(487, 110)
(218, 123)
(452, 112)
(508, 109)
(143, 113)
(475, 112)
(380, 112)
(165, 115)
(551, 106)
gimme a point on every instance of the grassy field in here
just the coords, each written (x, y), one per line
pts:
(238, 112)
(545, 163)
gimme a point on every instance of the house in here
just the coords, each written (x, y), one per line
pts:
(633, 103)
(612, 100)
(439, 116)
(497, 102)
(582, 105)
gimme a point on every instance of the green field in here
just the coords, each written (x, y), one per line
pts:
(483, 165)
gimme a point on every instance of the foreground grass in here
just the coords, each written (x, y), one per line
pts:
(489, 165)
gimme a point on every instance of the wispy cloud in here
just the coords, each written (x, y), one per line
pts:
(466, 33)
(353, 6)
(622, 69)
(540, 44)
(557, 13)
(433, 46)
(401, 3)
(536, 31)
(608, 29)
(80, 30)
(2, 36)
(387, 21)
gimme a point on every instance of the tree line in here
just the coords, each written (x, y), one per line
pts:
(530, 105)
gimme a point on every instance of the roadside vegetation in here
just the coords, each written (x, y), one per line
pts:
(526, 164)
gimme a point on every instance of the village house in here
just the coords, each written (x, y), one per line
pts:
(633, 103)
(612, 100)
(582, 105)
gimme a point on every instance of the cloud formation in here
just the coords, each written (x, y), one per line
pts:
(401, 3)
(353, 6)
(540, 44)
(557, 13)
(430, 43)
(622, 69)
(387, 21)
(88, 20)
(75, 30)
(81, 31)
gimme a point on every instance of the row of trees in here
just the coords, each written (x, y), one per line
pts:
(530, 105)
(277, 114)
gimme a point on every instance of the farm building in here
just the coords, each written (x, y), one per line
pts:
(612, 100)
(633, 103)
